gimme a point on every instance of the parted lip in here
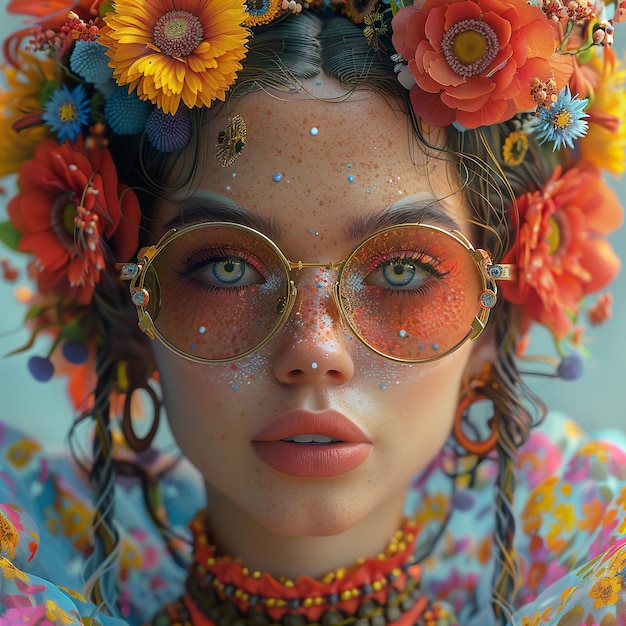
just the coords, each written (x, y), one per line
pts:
(301, 422)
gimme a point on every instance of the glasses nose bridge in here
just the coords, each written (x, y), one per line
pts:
(301, 265)
(318, 286)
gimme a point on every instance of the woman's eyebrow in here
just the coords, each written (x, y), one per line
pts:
(215, 208)
(425, 211)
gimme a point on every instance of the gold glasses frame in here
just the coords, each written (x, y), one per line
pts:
(140, 296)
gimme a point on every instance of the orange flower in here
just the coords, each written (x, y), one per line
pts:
(560, 250)
(53, 13)
(605, 591)
(70, 210)
(475, 60)
(172, 51)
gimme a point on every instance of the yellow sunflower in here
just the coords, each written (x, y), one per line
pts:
(26, 82)
(605, 144)
(173, 50)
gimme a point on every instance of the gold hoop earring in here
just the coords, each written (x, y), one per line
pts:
(139, 444)
(481, 388)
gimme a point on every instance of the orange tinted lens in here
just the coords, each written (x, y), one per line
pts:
(217, 292)
(411, 292)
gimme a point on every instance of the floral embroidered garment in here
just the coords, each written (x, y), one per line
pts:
(571, 536)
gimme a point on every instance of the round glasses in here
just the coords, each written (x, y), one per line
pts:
(216, 292)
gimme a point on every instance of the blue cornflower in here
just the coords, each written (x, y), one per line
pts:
(66, 112)
(563, 122)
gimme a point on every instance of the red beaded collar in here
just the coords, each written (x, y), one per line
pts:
(377, 591)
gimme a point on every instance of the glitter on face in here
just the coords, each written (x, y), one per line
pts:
(402, 333)
(277, 177)
(314, 131)
(240, 375)
(314, 365)
(350, 179)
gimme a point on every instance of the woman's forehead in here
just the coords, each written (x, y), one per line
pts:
(335, 159)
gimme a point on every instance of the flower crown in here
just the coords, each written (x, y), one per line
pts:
(83, 71)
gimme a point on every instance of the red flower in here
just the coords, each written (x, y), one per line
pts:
(74, 217)
(53, 13)
(475, 60)
(560, 250)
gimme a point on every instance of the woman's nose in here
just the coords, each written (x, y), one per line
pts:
(314, 348)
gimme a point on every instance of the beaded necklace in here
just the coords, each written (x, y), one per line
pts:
(379, 591)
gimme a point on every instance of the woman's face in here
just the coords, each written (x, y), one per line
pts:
(319, 175)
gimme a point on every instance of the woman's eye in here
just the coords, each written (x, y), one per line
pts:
(399, 273)
(228, 272)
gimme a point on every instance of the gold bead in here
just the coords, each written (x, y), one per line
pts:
(256, 575)
(270, 602)
(307, 603)
(345, 595)
(318, 600)
(289, 583)
(210, 561)
(245, 571)
(340, 572)
(377, 585)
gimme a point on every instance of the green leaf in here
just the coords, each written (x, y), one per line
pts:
(10, 236)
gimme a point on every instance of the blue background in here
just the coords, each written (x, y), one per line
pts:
(595, 401)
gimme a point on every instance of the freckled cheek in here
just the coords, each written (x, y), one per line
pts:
(206, 386)
(222, 326)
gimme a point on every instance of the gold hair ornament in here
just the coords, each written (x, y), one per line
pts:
(231, 141)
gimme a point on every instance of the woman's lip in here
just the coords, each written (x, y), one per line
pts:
(330, 423)
(314, 460)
